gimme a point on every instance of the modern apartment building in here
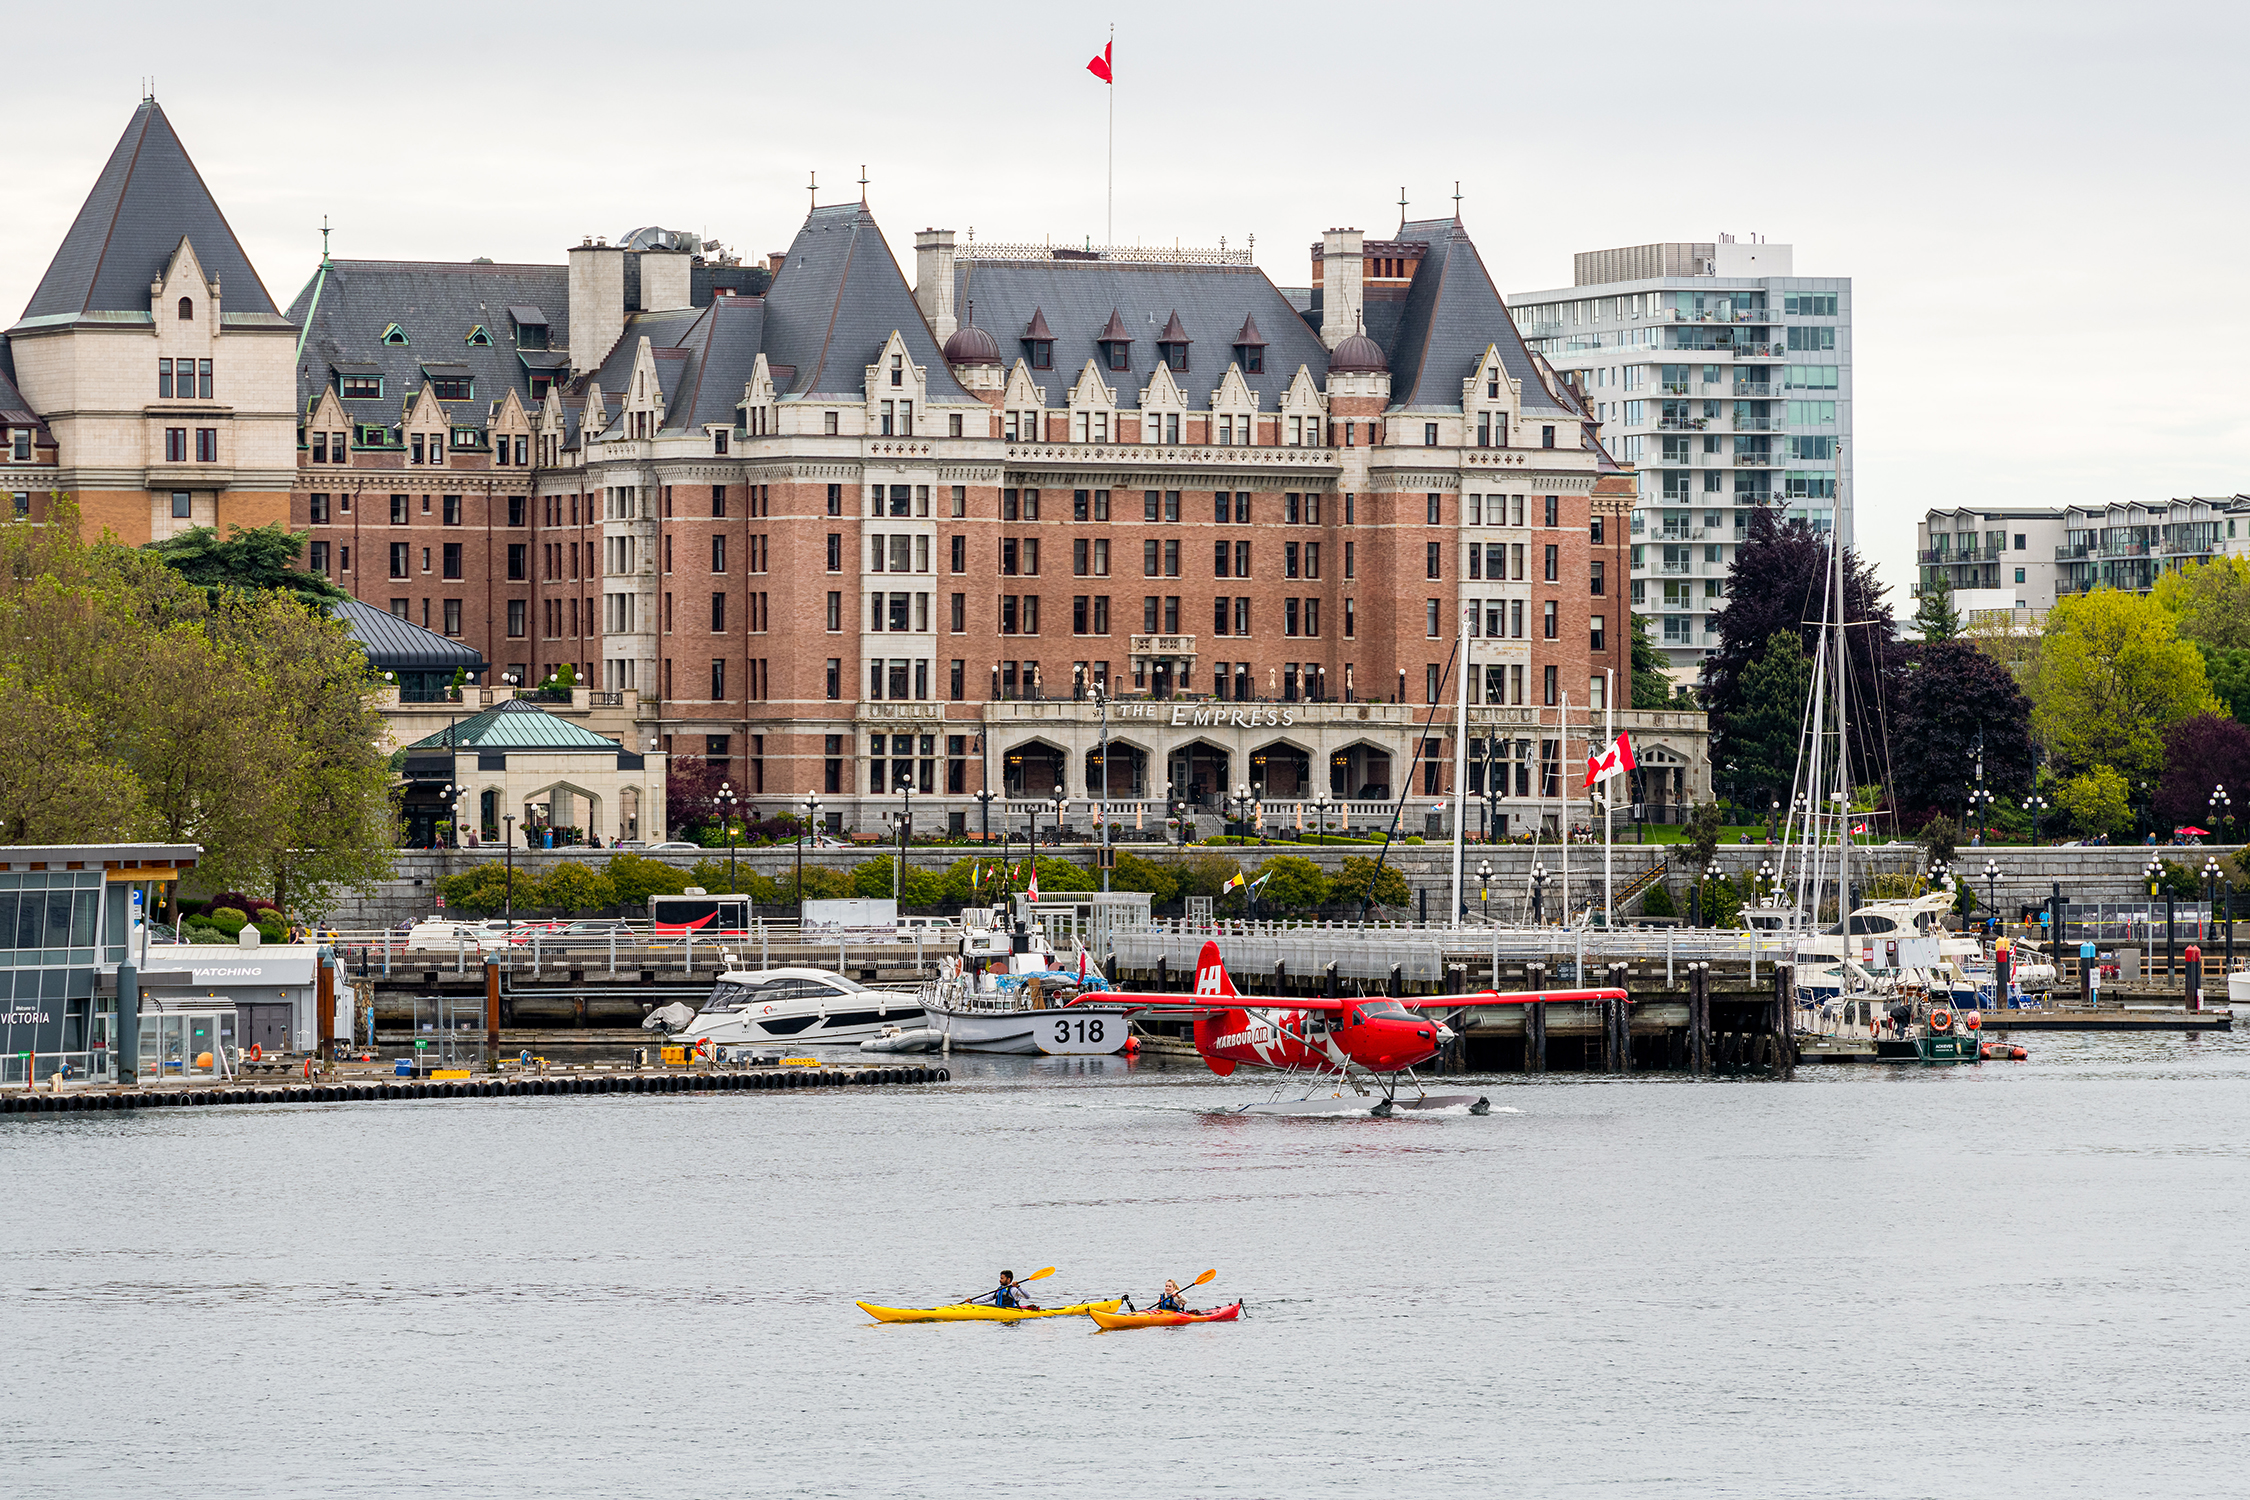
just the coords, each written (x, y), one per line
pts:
(1725, 379)
(1095, 524)
(2027, 559)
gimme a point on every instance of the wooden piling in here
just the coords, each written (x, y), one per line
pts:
(1699, 1020)
(1535, 1024)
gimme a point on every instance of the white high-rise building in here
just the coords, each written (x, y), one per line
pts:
(1726, 379)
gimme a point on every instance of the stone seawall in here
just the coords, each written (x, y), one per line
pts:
(2026, 876)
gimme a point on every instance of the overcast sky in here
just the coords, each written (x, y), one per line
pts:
(2037, 203)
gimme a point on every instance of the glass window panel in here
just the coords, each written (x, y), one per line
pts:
(28, 920)
(58, 920)
(82, 906)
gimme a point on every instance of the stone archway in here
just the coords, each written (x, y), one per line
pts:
(1198, 771)
(1281, 771)
(1128, 771)
(1034, 768)
(563, 805)
(1359, 772)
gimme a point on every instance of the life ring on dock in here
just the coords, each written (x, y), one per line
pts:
(1941, 1020)
(703, 1048)
(256, 1053)
(1971, 1020)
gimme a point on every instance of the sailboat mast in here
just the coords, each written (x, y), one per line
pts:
(1841, 677)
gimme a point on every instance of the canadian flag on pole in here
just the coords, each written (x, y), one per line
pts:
(1099, 67)
(1032, 889)
(1614, 761)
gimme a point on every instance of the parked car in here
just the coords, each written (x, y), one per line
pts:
(675, 846)
(444, 935)
(929, 929)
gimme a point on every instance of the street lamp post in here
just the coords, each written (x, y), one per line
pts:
(812, 816)
(2221, 809)
(508, 860)
(1765, 880)
(726, 800)
(905, 832)
(1538, 893)
(1061, 806)
(2035, 805)
(2211, 873)
(1484, 886)
(1712, 873)
(1101, 798)
(1992, 891)
(1323, 805)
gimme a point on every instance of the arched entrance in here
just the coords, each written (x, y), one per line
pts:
(1032, 769)
(571, 813)
(1198, 772)
(1360, 772)
(1128, 772)
(1280, 770)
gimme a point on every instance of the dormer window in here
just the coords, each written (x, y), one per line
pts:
(1172, 345)
(479, 337)
(1492, 383)
(898, 369)
(1250, 348)
(1117, 344)
(1039, 342)
(394, 335)
(187, 309)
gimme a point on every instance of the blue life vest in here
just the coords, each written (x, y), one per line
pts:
(1005, 1297)
(1169, 1302)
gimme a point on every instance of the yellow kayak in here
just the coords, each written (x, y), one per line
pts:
(964, 1312)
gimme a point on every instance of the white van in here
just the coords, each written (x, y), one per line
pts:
(929, 929)
(444, 935)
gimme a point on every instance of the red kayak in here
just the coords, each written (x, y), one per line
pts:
(1110, 1320)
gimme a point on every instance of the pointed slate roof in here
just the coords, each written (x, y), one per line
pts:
(515, 724)
(1084, 293)
(1249, 337)
(1451, 315)
(1173, 333)
(1115, 331)
(837, 298)
(147, 197)
(402, 645)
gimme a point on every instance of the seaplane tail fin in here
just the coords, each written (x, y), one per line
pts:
(1211, 979)
(1219, 1065)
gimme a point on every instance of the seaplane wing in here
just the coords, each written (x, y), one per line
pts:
(1476, 998)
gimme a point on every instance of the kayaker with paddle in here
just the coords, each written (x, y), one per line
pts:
(1172, 1300)
(1007, 1294)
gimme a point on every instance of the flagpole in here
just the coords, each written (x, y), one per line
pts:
(1109, 231)
(1460, 770)
(1565, 790)
(1609, 793)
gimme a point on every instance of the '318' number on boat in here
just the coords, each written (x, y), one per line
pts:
(1089, 1031)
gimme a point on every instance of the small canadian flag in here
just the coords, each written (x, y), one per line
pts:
(1617, 759)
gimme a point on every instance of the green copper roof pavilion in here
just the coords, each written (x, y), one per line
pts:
(514, 724)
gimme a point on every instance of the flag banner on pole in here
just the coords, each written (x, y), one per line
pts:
(1614, 761)
(1259, 884)
(1099, 67)
(1032, 890)
(1233, 881)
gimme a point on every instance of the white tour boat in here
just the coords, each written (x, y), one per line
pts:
(798, 1008)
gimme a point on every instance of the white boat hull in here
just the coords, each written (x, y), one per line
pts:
(786, 1026)
(1090, 1030)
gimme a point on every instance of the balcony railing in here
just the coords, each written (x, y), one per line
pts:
(1759, 390)
(1161, 645)
(1683, 424)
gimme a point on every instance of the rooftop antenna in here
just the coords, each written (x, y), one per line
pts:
(812, 186)
(1402, 205)
(863, 184)
(969, 280)
(1456, 200)
(324, 260)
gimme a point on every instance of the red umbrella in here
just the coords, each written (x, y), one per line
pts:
(2198, 832)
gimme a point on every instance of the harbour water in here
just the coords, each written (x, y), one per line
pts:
(2015, 1279)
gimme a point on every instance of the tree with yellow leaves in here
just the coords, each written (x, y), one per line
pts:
(2111, 676)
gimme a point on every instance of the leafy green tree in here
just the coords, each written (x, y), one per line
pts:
(1759, 751)
(2096, 801)
(1292, 883)
(2229, 671)
(1057, 874)
(251, 560)
(1952, 699)
(1652, 685)
(1722, 903)
(483, 891)
(736, 878)
(1134, 873)
(636, 877)
(1657, 902)
(573, 886)
(1357, 881)
(1706, 823)
(1205, 874)
(1935, 616)
(2209, 602)
(1938, 837)
(2112, 676)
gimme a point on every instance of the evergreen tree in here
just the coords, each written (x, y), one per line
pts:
(1652, 687)
(1777, 583)
(1763, 734)
(251, 559)
(1936, 617)
(1952, 696)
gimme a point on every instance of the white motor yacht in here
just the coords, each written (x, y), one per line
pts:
(798, 1008)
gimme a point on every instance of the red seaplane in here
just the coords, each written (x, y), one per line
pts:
(1383, 1038)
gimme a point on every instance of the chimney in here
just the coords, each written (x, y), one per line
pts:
(1343, 274)
(664, 280)
(597, 303)
(775, 260)
(933, 280)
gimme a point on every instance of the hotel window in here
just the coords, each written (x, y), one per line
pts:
(452, 617)
(1553, 511)
(1548, 686)
(1288, 617)
(452, 510)
(1598, 579)
(1242, 615)
(182, 507)
(1430, 618)
(1548, 622)
(518, 560)
(319, 557)
(319, 509)
(175, 445)
(1242, 559)
(1433, 560)
(401, 559)
(835, 552)
(1596, 633)
(1351, 620)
